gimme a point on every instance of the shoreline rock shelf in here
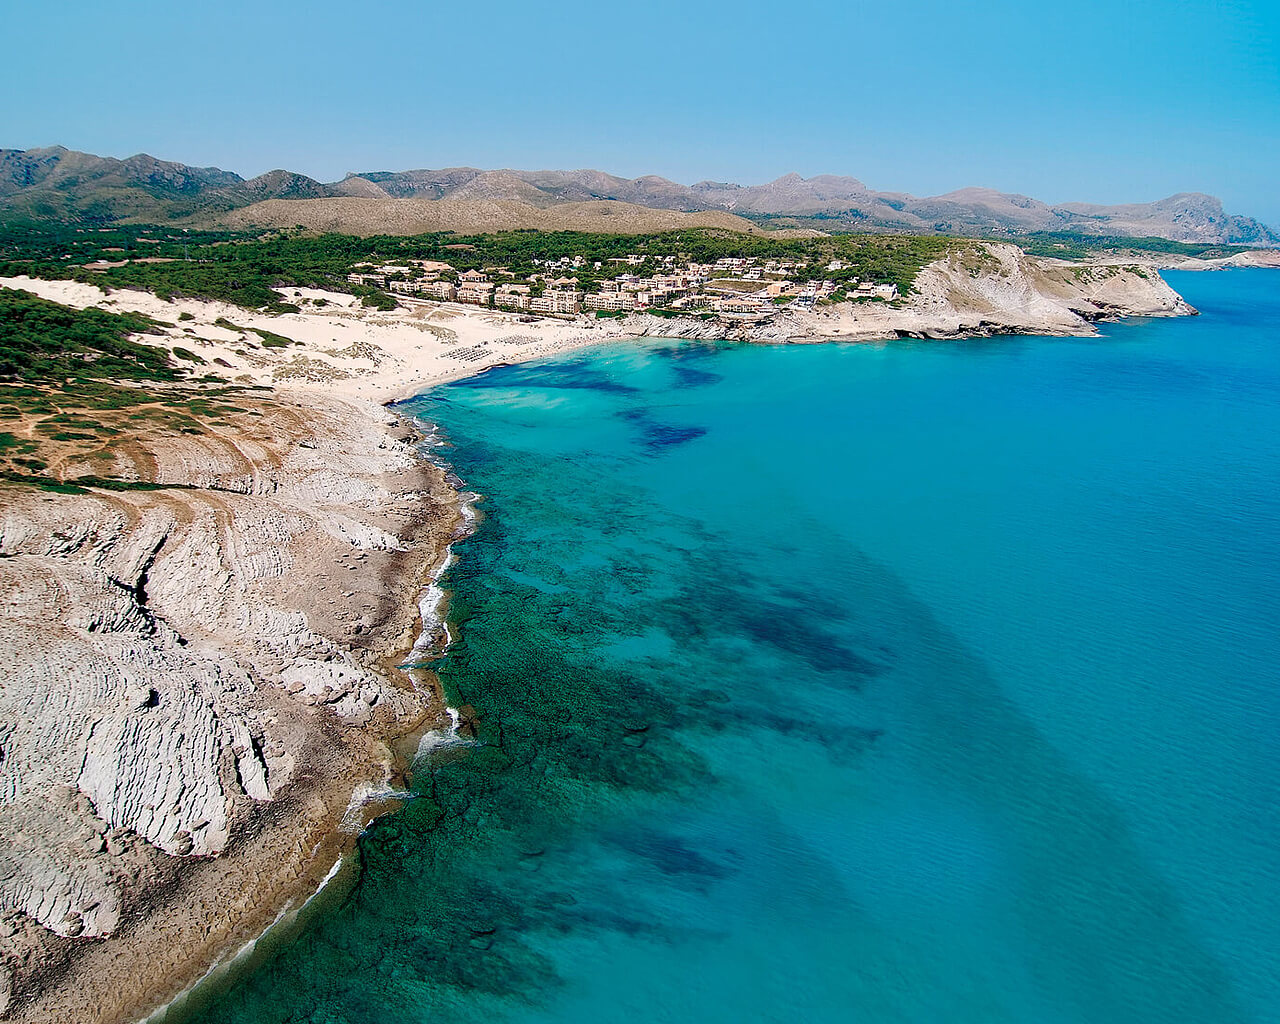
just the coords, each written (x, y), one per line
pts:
(173, 677)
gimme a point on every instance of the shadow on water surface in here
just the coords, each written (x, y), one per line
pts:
(574, 374)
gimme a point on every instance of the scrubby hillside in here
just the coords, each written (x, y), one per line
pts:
(363, 216)
(63, 185)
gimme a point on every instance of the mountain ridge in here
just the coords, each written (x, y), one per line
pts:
(62, 184)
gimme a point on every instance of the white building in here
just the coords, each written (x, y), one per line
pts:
(512, 296)
(555, 300)
(443, 290)
(610, 301)
(477, 292)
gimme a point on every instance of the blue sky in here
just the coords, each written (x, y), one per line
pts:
(1094, 101)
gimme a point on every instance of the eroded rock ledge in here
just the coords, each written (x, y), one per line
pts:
(197, 670)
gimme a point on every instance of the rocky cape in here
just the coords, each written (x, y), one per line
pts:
(976, 291)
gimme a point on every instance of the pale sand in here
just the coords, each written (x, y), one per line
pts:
(350, 351)
(344, 350)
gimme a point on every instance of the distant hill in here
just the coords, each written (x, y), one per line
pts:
(833, 203)
(62, 184)
(364, 216)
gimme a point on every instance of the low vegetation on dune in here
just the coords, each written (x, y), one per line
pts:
(42, 340)
(78, 392)
(66, 435)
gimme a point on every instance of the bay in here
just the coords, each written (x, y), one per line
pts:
(907, 682)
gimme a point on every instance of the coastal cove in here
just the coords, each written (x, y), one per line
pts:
(279, 497)
(913, 680)
(796, 544)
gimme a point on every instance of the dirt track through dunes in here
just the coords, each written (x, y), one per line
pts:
(67, 431)
(359, 216)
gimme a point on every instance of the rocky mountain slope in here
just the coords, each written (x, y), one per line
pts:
(835, 203)
(62, 184)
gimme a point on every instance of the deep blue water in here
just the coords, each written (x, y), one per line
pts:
(912, 682)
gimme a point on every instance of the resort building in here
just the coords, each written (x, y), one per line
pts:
(739, 286)
(512, 296)
(474, 291)
(556, 301)
(867, 290)
(442, 290)
(739, 304)
(610, 301)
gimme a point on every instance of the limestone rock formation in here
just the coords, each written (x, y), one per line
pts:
(163, 651)
(977, 289)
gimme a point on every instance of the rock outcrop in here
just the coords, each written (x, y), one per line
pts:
(170, 655)
(976, 290)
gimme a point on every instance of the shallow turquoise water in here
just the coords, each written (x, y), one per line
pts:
(906, 683)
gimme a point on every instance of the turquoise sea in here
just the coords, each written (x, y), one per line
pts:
(912, 682)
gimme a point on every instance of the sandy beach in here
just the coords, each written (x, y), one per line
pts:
(336, 346)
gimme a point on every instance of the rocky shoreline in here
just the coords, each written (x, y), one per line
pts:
(202, 675)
